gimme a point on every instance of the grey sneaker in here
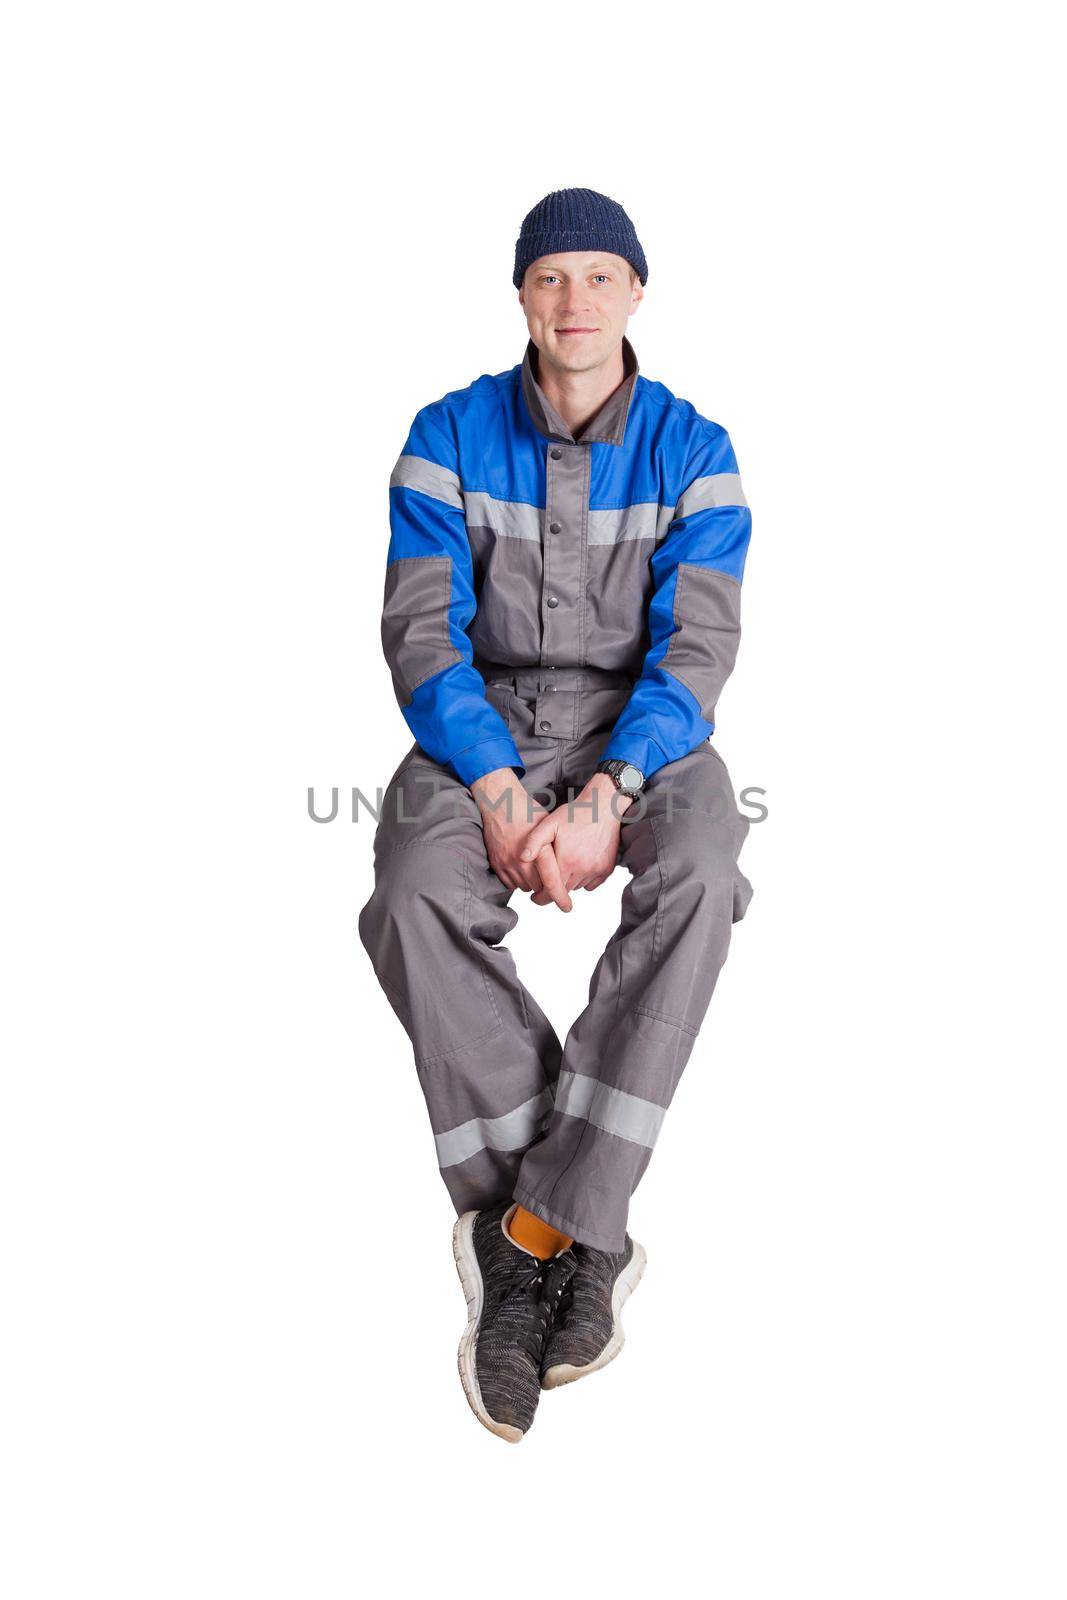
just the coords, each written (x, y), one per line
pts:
(587, 1331)
(511, 1298)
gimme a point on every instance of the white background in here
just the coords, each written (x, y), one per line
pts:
(244, 244)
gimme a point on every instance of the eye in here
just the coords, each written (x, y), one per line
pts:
(603, 276)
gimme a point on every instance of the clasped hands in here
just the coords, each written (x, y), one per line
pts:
(548, 853)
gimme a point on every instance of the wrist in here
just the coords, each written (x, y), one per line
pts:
(626, 778)
(614, 802)
(491, 785)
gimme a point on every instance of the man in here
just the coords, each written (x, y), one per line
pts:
(561, 612)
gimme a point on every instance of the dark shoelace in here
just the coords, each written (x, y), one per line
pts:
(544, 1288)
(566, 1303)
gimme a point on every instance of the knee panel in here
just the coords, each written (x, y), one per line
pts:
(415, 928)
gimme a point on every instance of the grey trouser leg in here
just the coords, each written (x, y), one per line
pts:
(647, 999)
(486, 1055)
(567, 1132)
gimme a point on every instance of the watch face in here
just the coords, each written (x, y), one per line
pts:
(631, 777)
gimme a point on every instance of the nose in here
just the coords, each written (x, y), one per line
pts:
(575, 300)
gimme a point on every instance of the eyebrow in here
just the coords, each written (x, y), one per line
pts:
(597, 266)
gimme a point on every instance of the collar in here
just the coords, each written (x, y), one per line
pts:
(609, 424)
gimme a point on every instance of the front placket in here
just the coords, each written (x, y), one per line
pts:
(567, 477)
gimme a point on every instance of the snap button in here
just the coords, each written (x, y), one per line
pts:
(546, 726)
(553, 527)
(552, 601)
(557, 455)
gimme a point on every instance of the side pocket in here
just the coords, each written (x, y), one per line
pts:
(742, 896)
(499, 695)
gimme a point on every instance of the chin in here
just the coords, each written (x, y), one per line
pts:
(578, 357)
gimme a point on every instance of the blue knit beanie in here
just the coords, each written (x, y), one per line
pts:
(577, 219)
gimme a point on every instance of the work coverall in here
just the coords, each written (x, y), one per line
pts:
(549, 601)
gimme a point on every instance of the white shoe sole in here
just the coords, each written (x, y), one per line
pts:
(625, 1284)
(470, 1277)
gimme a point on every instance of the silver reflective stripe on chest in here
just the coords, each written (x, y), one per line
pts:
(646, 519)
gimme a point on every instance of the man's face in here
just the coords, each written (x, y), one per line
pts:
(577, 305)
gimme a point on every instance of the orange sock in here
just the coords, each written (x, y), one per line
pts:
(533, 1234)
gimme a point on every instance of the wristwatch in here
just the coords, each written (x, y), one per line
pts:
(627, 778)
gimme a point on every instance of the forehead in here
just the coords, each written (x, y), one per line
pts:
(576, 263)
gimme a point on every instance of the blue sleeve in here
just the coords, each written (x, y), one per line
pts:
(694, 613)
(429, 605)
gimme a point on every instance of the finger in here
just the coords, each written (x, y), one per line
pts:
(550, 874)
(538, 838)
(521, 875)
(526, 875)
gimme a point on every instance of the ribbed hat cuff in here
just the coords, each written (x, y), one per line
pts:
(559, 239)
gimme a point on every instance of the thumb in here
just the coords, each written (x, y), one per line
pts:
(537, 841)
